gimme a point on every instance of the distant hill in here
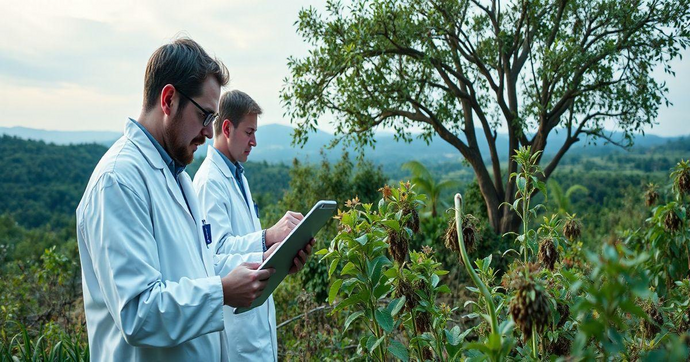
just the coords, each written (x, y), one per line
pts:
(275, 145)
(105, 138)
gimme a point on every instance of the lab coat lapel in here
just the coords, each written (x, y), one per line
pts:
(252, 211)
(189, 192)
(225, 170)
(176, 193)
(153, 157)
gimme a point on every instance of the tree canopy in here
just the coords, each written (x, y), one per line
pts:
(465, 69)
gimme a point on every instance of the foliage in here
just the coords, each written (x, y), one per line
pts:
(463, 69)
(426, 183)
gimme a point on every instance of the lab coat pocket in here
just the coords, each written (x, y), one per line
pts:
(247, 335)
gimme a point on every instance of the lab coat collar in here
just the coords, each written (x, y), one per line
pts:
(215, 157)
(154, 158)
(138, 137)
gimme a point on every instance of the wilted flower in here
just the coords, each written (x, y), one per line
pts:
(398, 246)
(469, 234)
(672, 221)
(413, 218)
(404, 288)
(548, 254)
(651, 196)
(572, 228)
(386, 191)
(681, 177)
(530, 308)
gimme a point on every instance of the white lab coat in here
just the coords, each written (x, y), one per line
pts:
(152, 290)
(236, 229)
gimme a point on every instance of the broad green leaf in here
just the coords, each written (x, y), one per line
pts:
(398, 350)
(333, 292)
(396, 305)
(393, 224)
(352, 318)
(372, 343)
(331, 269)
(384, 319)
(434, 280)
(349, 269)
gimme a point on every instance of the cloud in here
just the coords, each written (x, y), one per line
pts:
(79, 64)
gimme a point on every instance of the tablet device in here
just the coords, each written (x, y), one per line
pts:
(282, 258)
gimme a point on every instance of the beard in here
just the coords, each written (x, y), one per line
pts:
(179, 149)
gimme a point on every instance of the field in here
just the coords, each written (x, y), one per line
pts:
(597, 270)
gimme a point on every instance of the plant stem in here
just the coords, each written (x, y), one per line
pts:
(470, 270)
(534, 342)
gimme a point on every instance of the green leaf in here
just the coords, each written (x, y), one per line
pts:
(384, 319)
(396, 305)
(382, 290)
(443, 289)
(393, 224)
(334, 265)
(363, 239)
(352, 318)
(333, 292)
(321, 252)
(453, 336)
(349, 269)
(398, 350)
(434, 280)
(372, 343)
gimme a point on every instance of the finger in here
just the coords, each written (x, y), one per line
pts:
(296, 215)
(262, 275)
(251, 266)
(303, 256)
(298, 264)
(307, 249)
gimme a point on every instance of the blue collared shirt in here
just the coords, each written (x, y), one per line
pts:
(174, 167)
(237, 171)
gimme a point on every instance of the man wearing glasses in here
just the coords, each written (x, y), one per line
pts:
(153, 289)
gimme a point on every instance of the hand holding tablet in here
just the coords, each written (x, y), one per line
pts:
(282, 259)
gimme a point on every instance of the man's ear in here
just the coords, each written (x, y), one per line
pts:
(167, 95)
(226, 128)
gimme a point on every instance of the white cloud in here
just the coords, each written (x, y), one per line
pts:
(79, 64)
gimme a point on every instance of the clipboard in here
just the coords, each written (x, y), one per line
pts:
(282, 258)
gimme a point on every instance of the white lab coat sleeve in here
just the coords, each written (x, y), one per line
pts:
(149, 311)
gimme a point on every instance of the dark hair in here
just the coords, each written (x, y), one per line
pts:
(234, 105)
(184, 64)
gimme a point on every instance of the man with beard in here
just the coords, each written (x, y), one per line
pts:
(225, 197)
(153, 290)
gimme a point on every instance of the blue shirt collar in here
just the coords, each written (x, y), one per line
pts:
(174, 167)
(235, 167)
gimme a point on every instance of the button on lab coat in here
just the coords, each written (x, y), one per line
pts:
(152, 290)
(236, 229)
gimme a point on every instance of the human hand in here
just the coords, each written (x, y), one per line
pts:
(271, 250)
(302, 257)
(283, 227)
(244, 284)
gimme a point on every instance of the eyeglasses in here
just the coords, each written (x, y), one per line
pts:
(208, 116)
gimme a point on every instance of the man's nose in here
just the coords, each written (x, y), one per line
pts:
(208, 131)
(252, 141)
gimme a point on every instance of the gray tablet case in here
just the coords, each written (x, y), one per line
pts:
(282, 258)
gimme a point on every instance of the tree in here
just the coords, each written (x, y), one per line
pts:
(427, 184)
(464, 69)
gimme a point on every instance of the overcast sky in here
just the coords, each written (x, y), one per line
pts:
(79, 65)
